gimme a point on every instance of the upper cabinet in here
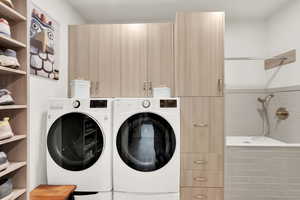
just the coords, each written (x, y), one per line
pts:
(160, 56)
(95, 55)
(199, 53)
(147, 58)
(125, 60)
(133, 60)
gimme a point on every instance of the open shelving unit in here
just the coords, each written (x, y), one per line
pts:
(16, 81)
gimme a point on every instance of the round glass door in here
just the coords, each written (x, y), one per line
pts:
(146, 142)
(75, 141)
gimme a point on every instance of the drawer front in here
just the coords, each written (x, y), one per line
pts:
(202, 194)
(198, 178)
(210, 162)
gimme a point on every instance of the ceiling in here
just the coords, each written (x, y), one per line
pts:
(134, 11)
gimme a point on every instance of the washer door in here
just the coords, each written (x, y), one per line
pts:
(75, 141)
(146, 142)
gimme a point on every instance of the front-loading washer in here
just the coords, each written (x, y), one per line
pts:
(79, 151)
(146, 149)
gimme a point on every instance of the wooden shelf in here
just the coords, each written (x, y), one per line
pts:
(13, 107)
(17, 193)
(7, 42)
(14, 166)
(6, 70)
(10, 14)
(13, 139)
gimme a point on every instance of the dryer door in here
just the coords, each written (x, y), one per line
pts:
(146, 142)
(75, 141)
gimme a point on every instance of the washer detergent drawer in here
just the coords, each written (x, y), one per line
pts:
(89, 196)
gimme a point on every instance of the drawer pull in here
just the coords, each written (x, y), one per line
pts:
(200, 179)
(201, 125)
(199, 162)
(200, 196)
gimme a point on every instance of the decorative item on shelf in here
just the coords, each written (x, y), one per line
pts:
(6, 189)
(8, 58)
(80, 88)
(8, 3)
(44, 45)
(5, 97)
(162, 91)
(5, 129)
(3, 161)
(4, 28)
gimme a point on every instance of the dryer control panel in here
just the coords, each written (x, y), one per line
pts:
(98, 104)
(168, 103)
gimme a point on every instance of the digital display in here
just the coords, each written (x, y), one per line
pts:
(98, 104)
(168, 103)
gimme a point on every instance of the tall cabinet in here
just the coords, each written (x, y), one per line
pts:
(199, 72)
(15, 80)
(122, 60)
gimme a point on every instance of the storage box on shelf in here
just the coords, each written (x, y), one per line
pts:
(15, 80)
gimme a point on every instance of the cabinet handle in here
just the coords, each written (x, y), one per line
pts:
(92, 88)
(200, 196)
(220, 85)
(199, 162)
(200, 179)
(145, 85)
(200, 125)
(97, 85)
(150, 88)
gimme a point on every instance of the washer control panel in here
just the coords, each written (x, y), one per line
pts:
(76, 104)
(146, 104)
(98, 104)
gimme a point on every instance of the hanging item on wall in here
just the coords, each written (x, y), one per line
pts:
(44, 44)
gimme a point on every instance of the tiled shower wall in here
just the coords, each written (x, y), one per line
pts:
(242, 113)
(242, 116)
(287, 130)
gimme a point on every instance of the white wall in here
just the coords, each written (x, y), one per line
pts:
(283, 29)
(245, 38)
(42, 89)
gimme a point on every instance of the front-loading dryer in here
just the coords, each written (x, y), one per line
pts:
(146, 149)
(79, 151)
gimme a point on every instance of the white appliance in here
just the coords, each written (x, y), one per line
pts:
(79, 151)
(146, 149)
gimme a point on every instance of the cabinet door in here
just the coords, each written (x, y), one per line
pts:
(78, 52)
(199, 53)
(160, 56)
(133, 60)
(202, 193)
(95, 55)
(202, 125)
(109, 61)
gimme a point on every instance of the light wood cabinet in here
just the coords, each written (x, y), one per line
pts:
(199, 53)
(199, 178)
(108, 68)
(209, 162)
(202, 143)
(95, 55)
(133, 60)
(160, 56)
(202, 125)
(125, 60)
(202, 194)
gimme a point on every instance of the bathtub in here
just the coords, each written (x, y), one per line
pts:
(261, 168)
(256, 141)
